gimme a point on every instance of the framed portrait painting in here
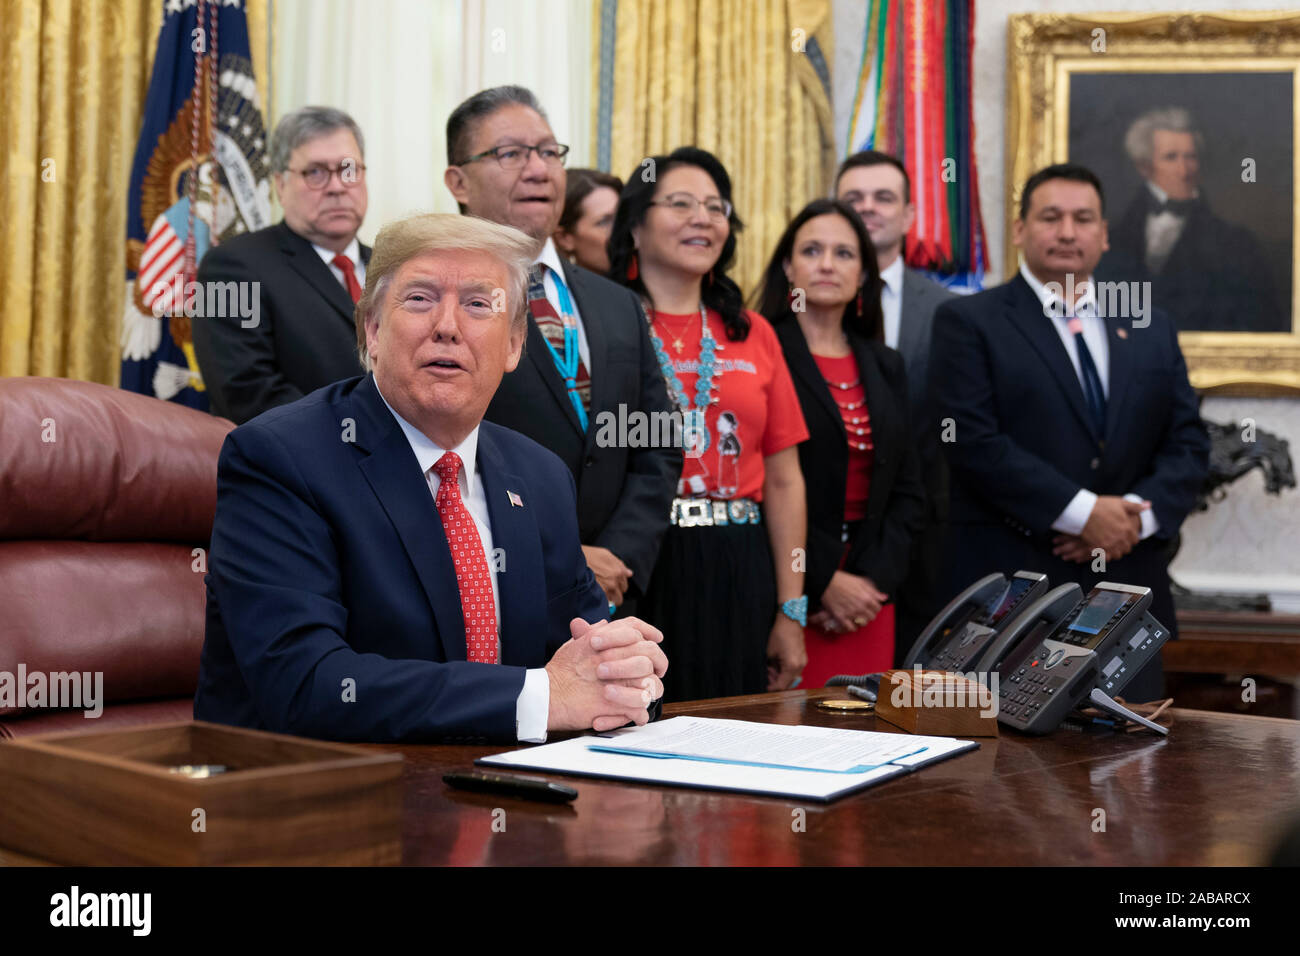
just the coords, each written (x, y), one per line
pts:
(1189, 121)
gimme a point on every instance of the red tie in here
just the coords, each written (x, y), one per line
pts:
(472, 576)
(349, 276)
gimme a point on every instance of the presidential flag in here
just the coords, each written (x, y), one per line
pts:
(200, 176)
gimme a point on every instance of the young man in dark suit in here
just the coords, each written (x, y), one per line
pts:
(506, 166)
(310, 270)
(877, 186)
(1076, 446)
(385, 566)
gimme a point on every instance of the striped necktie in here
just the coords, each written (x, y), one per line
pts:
(552, 327)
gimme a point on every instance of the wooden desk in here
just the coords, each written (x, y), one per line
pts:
(1214, 792)
(1235, 642)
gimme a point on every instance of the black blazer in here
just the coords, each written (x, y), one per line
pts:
(881, 548)
(1024, 444)
(305, 337)
(624, 494)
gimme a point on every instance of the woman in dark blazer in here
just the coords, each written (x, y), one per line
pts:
(865, 497)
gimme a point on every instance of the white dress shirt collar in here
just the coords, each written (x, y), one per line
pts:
(550, 258)
(427, 451)
(1085, 304)
(1161, 196)
(353, 252)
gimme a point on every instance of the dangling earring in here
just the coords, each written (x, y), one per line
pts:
(789, 295)
(708, 279)
(860, 303)
(632, 272)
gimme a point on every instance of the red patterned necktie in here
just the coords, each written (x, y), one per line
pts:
(472, 576)
(349, 276)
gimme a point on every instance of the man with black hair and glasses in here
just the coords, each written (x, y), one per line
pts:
(587, 359)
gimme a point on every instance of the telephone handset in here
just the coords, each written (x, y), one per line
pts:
(1067, 649)
(960, 634)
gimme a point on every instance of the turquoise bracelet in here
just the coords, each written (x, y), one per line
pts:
(796, 609)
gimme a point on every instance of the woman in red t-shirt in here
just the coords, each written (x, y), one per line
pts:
(728, 589)
(865, 496)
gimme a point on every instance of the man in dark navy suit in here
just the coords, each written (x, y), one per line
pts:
(384, 565)
(1074, 440)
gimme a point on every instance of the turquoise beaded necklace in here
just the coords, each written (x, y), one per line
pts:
(693, 421)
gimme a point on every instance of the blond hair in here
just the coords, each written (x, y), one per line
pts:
(401, 241)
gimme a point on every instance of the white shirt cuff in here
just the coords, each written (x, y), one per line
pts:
(1148, 518)
(1076, 513)
(533, 707)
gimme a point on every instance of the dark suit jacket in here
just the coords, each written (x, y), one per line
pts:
(918, 598)
(921, 297)
(624, 494)
(1024, 443)
(305, 337)
(329, 563)
(1215, 279)
(881, 548)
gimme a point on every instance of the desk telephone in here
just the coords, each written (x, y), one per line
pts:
(1053, 650)
(1065, 650)
(961, 633)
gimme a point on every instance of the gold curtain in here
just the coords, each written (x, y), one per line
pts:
(733, 77)
(75, 77)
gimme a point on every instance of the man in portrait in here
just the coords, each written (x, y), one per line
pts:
(1210, 275)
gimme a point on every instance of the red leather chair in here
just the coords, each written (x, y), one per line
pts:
(106, 506)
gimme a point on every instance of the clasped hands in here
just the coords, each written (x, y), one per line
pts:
(606, 675)
(849, 602)
(1114, 526)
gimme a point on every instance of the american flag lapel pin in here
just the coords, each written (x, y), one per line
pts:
(1122, 332)
(515, 500)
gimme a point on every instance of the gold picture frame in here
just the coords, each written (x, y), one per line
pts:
(1045, 50)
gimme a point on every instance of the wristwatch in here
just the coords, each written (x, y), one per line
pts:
(796, 609)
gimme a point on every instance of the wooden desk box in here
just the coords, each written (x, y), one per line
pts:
(107, 798)
(936, 703)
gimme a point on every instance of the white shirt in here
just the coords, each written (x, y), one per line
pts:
(1162, 231)
(1077, 512)
(353, 252)
(891, 300)
(551, 259)
(533, 705)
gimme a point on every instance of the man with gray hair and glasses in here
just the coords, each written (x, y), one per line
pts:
(1209, 274)
(304, 275)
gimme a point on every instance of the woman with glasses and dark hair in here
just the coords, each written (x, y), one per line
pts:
(728, 589)
(590, 198)
(865, 497)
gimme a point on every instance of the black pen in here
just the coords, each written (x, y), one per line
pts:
(512, 785)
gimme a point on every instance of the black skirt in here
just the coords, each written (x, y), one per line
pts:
(713, 594)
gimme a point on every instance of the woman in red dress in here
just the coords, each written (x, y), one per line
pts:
(865, 496)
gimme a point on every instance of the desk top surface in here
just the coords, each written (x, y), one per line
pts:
(1215, 792)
